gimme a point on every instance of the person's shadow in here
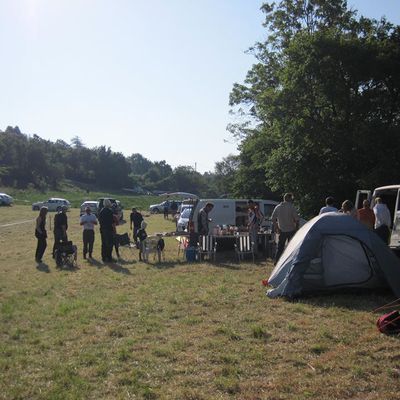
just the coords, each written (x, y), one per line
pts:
(94, 262)
(117, 268)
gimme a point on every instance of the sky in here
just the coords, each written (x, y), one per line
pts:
(148, 77)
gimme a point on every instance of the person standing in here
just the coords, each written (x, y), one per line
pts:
(136, 219)
(88, 221)
(329, 207)
(255, 217)
(286, 221)
(383, 220)
(174, 208)
(60, 228)
(203, 220)
(366, 216)
(348, 209)
(41, 234)
(165, 209)
(142, 236)
(106, 231)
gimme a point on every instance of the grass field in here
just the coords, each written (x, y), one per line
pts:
(174, 330)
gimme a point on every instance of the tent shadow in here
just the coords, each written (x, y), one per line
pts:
(358, 300)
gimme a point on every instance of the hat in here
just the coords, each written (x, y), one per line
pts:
(64, 208)
(107, 203)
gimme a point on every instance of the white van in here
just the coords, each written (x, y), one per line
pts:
(390, 195)
(232, 212)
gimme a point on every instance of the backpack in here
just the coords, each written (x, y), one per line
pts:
(389, 323)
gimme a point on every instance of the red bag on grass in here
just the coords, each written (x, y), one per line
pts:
(389, 323)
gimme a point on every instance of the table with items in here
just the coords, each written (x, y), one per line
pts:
(227, 236)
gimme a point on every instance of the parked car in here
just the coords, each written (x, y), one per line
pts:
(183, 220)
(53, 204)
(159, 208)
(116, 206)
(5, 199)
(91, 204)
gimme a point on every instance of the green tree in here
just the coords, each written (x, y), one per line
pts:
(322, 103)
(225, 173)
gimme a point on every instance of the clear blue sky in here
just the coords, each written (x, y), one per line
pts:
(149, 77)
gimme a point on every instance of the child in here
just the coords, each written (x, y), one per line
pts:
(142, 235)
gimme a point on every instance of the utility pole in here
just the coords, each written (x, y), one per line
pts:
(195, 167)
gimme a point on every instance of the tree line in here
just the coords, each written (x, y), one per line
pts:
(32, 161)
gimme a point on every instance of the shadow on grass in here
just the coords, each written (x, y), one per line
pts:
(359, 300)
(168, 264)
(118, 268)
(67, 267)
(121, 261)
(42, 267)
(94, 262)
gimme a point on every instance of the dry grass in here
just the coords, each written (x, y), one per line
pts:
(177, 331)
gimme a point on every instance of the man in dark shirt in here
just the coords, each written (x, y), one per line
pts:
(174, 208)
(60, 228)
(106, 231)
(136, 220)
(203, 220)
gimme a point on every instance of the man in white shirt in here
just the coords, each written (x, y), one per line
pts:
(328, 206)
(383, 220)
(88, 221)
(286, 222)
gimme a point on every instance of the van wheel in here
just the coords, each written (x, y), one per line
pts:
(156, 211)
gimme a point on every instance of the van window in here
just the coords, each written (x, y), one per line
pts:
(268, 209)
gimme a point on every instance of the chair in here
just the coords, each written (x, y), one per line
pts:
(126, 247)
(66, 254)
(207, 246)
(244, 246)
(152, 246)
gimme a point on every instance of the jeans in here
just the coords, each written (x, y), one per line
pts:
(88, 240)
(41, 247)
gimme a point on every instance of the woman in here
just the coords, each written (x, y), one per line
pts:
(348, 208)
(41, 234)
